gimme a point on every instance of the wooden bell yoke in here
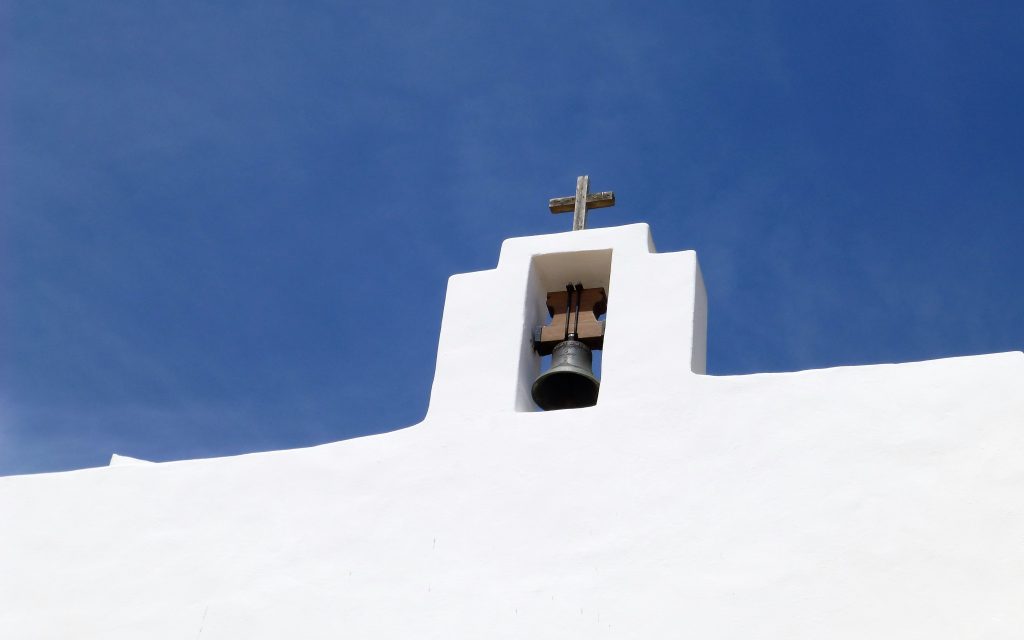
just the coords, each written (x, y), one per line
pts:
(568, 317)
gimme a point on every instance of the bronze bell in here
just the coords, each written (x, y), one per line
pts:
(570, 382)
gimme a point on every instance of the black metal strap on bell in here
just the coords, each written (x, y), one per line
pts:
(570, 383)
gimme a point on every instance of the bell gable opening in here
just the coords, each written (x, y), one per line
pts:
(567, 299)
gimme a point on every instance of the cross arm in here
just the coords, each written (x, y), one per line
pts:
(594, 201)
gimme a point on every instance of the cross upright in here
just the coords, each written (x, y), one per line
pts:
(581, 202)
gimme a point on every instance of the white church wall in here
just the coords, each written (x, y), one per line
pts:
(857, 502)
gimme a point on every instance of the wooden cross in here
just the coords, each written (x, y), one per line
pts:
(582, 201)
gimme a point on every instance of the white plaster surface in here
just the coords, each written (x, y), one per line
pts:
(117, 460)
(860, 502)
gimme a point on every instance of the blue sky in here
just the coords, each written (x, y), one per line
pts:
(227, 226)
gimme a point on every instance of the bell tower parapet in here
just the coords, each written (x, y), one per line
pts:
(654, 332)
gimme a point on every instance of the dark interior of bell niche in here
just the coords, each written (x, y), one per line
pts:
(565, 319)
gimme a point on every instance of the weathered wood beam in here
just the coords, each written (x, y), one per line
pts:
(593, 303)
(594, 201)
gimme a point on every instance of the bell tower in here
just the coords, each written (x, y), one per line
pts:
(547, 288)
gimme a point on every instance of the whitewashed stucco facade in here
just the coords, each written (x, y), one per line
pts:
(860, 502)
